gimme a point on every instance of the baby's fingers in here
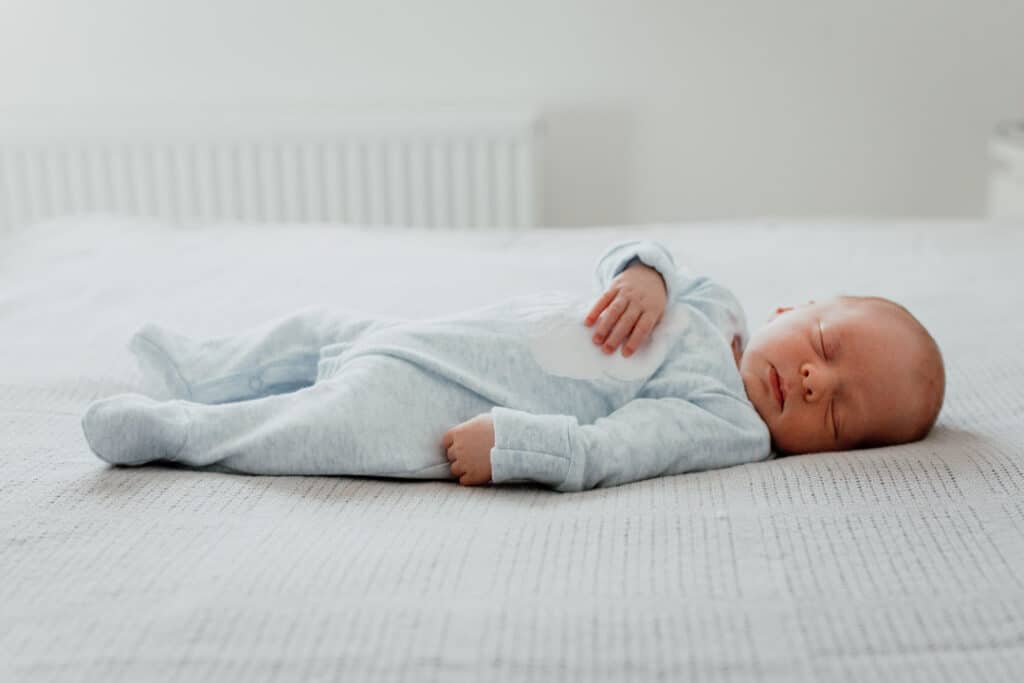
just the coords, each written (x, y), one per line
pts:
(612, 319)
(622, 328)
(640, 333)
(457, 468)
(605, 299)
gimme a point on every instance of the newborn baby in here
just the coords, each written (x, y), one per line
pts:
(527, 390)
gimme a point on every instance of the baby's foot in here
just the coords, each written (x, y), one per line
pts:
(131, 429)
(161, 354)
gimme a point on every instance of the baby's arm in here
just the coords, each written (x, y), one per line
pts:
(637, 277)
(647, 437)
(632, 307)
(655, 434)
(621, 255)
(714, 300)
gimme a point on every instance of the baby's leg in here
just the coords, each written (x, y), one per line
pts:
(379, 416)
(277, 356)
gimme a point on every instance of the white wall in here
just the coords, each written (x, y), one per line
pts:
(657, 110)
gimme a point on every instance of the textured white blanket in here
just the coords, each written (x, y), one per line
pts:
(895, 564)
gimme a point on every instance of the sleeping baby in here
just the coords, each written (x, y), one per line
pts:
(531, 389)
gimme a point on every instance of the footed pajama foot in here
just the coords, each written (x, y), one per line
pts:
(131, 429)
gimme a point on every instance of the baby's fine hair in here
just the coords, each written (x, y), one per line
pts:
(930, 372)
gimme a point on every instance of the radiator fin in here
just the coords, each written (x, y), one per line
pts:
(398, 175)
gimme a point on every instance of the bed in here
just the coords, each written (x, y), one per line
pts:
(896, 564)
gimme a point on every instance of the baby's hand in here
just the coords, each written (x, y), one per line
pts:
(634, 304)
(469, 449)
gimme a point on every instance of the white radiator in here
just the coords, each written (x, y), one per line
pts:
(440, 171)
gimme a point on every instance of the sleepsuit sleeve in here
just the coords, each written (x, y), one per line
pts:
(619, 256)
(706, 295)
(648, 437)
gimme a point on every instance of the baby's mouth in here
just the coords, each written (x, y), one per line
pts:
(776, 384)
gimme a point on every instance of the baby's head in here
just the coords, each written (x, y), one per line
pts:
(854, 372)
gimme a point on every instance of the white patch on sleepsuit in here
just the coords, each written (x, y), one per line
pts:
(563, 346)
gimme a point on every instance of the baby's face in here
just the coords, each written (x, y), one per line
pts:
(842, 367)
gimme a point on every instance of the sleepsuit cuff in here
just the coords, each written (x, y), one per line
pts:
(531, 447)
(620, 256)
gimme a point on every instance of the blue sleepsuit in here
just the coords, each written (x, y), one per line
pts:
(326, 392)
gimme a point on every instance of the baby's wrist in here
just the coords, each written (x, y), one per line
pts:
(636, 262)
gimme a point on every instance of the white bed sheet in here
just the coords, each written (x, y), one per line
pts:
(897, 563)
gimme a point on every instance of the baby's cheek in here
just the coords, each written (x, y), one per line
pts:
(804, 436)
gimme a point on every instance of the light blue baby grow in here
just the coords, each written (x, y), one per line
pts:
(324, 392)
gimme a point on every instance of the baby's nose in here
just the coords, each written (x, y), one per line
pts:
(813, 381)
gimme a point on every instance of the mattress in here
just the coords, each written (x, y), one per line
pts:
(901, 564)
